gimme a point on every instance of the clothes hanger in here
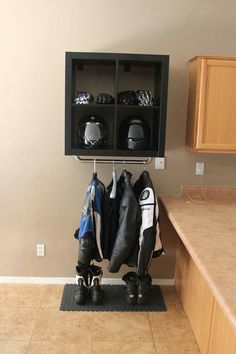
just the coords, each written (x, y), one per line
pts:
(94, 166)
(124, 167)
(114, 182)
(144, 165)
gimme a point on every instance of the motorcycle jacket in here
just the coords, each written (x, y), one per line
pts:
(125, 249)
(89, 233)
(150, 244)
(111, 217)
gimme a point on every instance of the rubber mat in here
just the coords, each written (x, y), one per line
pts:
(113, 300)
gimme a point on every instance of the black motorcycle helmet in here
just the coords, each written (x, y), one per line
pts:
(135, 133)
(92, 132)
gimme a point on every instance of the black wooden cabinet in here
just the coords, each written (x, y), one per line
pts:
(112, 73)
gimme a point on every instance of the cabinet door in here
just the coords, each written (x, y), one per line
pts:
(223, 336)
(216, 125)
(195, 295)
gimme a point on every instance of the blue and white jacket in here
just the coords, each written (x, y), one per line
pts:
(91, 218)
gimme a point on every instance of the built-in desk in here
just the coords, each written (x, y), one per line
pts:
(205, 276)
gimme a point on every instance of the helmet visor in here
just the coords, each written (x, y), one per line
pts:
(136, 132)
(92, 132)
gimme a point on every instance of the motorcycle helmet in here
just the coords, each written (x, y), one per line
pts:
(92, 132)
(135, 133)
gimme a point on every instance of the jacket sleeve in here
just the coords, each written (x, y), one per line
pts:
(158, 249)
(149, 239)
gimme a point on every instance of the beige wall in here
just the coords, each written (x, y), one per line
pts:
(41, 190)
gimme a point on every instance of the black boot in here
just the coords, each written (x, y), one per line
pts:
(81, 291)
(144, 289)
(130, 279)
(95, 284)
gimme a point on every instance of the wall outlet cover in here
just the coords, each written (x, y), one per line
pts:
(200, 168)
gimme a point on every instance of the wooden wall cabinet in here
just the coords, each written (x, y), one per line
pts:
(195, 296)
(211, 120)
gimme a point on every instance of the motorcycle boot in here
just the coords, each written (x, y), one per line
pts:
(95, 284)
(130, 279)
(81, 291)
(144, 289)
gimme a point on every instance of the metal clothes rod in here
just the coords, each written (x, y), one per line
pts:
(112, 161)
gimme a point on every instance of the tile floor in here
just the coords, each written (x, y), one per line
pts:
(30, 322)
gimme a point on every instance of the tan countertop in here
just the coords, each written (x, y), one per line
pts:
(208, 230)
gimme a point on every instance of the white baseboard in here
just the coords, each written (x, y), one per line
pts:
(163, 281)
(36, 280)
(52, 280)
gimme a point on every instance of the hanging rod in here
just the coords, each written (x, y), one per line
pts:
(116, 161)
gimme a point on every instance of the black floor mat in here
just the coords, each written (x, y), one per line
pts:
(113, 300)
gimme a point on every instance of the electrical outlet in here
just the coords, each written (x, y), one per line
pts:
(40, 249)
(199, 168)
(160, 163)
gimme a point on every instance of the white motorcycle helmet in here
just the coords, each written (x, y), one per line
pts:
(92, 132)
(135, 133)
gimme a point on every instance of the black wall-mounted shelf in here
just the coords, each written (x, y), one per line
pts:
(113, 73)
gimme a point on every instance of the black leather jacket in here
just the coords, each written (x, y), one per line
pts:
(125, 249)
(111, 217)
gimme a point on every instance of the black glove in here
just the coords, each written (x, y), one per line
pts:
(83, 97)
(127, 97)
(104, 98)
(144, 98)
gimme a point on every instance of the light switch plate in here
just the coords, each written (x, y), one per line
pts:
(40, 249)
(160, 163)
